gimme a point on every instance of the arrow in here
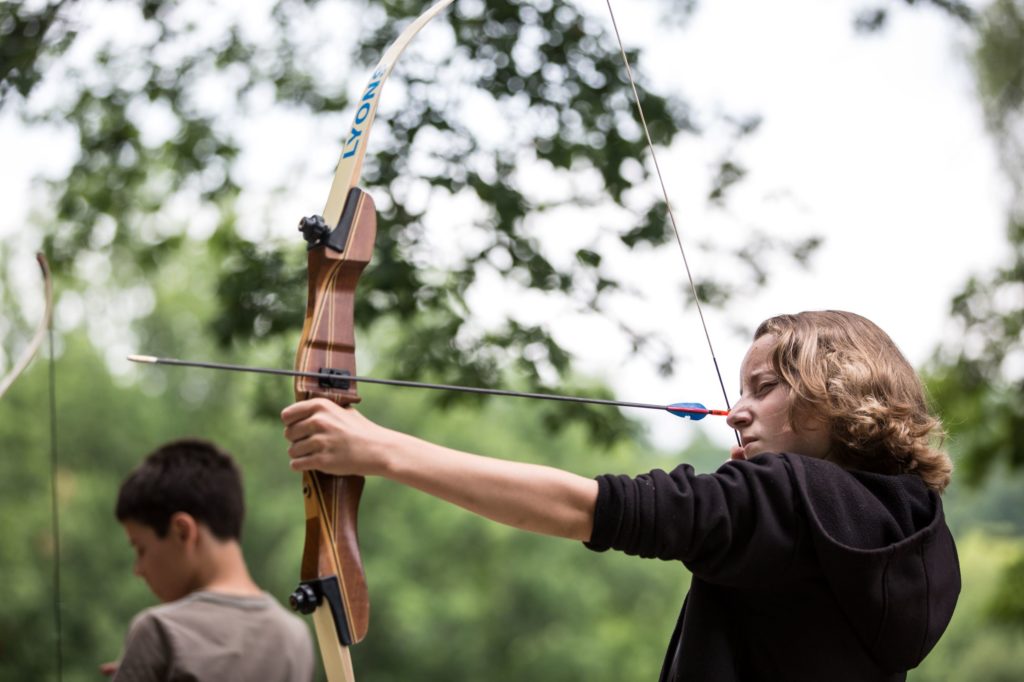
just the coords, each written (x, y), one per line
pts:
(334, 379)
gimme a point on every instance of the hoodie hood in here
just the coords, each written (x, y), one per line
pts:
(891, 578)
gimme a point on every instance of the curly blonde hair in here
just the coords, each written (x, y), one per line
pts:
(841, 367)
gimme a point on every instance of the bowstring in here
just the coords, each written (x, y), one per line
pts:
(55, 506)
(668, 208)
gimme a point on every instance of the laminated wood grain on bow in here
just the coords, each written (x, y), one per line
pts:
(333, 582)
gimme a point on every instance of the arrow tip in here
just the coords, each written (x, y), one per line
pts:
(148, 359)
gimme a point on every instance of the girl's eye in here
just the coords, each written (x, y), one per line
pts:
(766, 387)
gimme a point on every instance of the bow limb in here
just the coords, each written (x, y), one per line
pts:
(333, 582)
(350, 165)
(37, 338)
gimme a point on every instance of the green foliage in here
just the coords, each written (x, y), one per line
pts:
(454, 597)
(975, 647)
(29, 38)
(994, 504)
(984, 415)
(976, 378)
(1007, 605)
(997, 62)
(875, 18)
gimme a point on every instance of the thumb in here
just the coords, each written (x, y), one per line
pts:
(298, 411)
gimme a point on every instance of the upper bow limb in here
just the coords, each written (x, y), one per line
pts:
(542, 499)
(37, 338)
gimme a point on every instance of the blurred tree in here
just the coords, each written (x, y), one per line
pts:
(511, 115)
(875, 17)
(454, 596)
(974, 647)
(154, 213)
(977, 378)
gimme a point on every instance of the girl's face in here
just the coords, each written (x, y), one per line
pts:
(761, 416)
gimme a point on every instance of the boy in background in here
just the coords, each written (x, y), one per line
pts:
(182, 510)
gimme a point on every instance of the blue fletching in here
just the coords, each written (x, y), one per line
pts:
(692, 411)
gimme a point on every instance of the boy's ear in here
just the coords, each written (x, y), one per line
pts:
(183, 527)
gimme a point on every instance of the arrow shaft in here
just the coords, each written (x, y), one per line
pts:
(149, 359)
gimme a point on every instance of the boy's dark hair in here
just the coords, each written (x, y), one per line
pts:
(189, 475)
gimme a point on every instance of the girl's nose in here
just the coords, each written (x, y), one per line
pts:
(739, 415)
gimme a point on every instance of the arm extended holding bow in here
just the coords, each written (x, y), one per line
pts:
(531, 497)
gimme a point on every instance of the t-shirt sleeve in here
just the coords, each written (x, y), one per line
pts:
(146, 652)
(735, 526)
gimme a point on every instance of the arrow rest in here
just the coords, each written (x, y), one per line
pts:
(329, 381)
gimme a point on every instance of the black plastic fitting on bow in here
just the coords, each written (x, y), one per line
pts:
(314, 229)
(334, 378)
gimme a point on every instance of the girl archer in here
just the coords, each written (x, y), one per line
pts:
(818, 552)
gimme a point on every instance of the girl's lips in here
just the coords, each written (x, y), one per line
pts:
(751, 447)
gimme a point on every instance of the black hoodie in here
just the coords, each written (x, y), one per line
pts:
(801, 570)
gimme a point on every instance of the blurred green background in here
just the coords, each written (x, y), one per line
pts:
(152, 240)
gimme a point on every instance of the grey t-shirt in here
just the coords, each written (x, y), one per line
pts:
(214, 636)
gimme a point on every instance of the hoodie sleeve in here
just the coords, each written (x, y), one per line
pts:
(735, 526)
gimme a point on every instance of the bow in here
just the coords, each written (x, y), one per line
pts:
(333, 582)
(37, 338)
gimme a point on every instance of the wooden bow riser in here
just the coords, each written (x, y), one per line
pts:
(331, 561)
(328, 334)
